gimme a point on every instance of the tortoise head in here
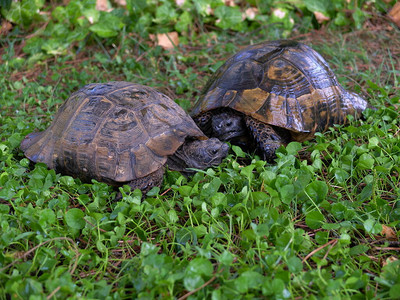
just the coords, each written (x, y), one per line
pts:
(227, 125)
(201, 154)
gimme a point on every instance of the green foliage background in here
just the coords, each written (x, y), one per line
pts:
(78, 22)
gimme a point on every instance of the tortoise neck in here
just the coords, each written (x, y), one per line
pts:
(177, 161)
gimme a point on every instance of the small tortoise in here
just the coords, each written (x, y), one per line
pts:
(272, 93)
(122, 133)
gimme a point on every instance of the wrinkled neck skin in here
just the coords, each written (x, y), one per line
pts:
(185, 157)
(177, 162)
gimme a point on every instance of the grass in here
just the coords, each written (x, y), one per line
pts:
(322, 222)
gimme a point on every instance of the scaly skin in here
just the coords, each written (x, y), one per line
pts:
(246, 132)
(267, 138)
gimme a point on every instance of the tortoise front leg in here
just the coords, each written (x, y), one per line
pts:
(267, 138)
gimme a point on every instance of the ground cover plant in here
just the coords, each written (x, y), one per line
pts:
(321, 222)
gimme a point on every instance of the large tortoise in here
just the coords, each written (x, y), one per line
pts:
(272, 93)
(122, 133)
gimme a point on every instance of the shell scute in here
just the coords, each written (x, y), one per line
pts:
(282, 83)
(112, 132)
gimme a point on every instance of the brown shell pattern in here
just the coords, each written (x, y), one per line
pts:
(113, 132)
(282, 83)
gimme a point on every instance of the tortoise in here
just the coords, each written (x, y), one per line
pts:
(272, 93)
(122, 133)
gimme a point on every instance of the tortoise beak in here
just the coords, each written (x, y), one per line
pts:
(227, 136)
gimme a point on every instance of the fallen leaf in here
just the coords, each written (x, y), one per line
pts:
(102, 5)
(389, 260)
(251, 13)
(388, 233)
(166, 40)
(394, 14)
(180, 2)
(209, 10)
(320, 17)
(5, 27)
(121, 2)
(279, 13)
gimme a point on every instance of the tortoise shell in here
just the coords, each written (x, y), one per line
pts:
(282, 83)
(113, 132)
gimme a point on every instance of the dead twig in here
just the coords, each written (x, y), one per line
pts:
(200, 287)
(42, 244)
(387, 248)
(332, 242)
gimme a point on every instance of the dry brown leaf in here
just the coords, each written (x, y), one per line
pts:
(102, 5)
(251, 13)
(320, 17)
(394, 14)
(5, 27)
(166, 40)
(389, 260)
(388, 233)
(278, 13)
(121, 2)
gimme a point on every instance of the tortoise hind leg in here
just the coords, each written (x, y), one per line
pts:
(146, 183)
(268, 139)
